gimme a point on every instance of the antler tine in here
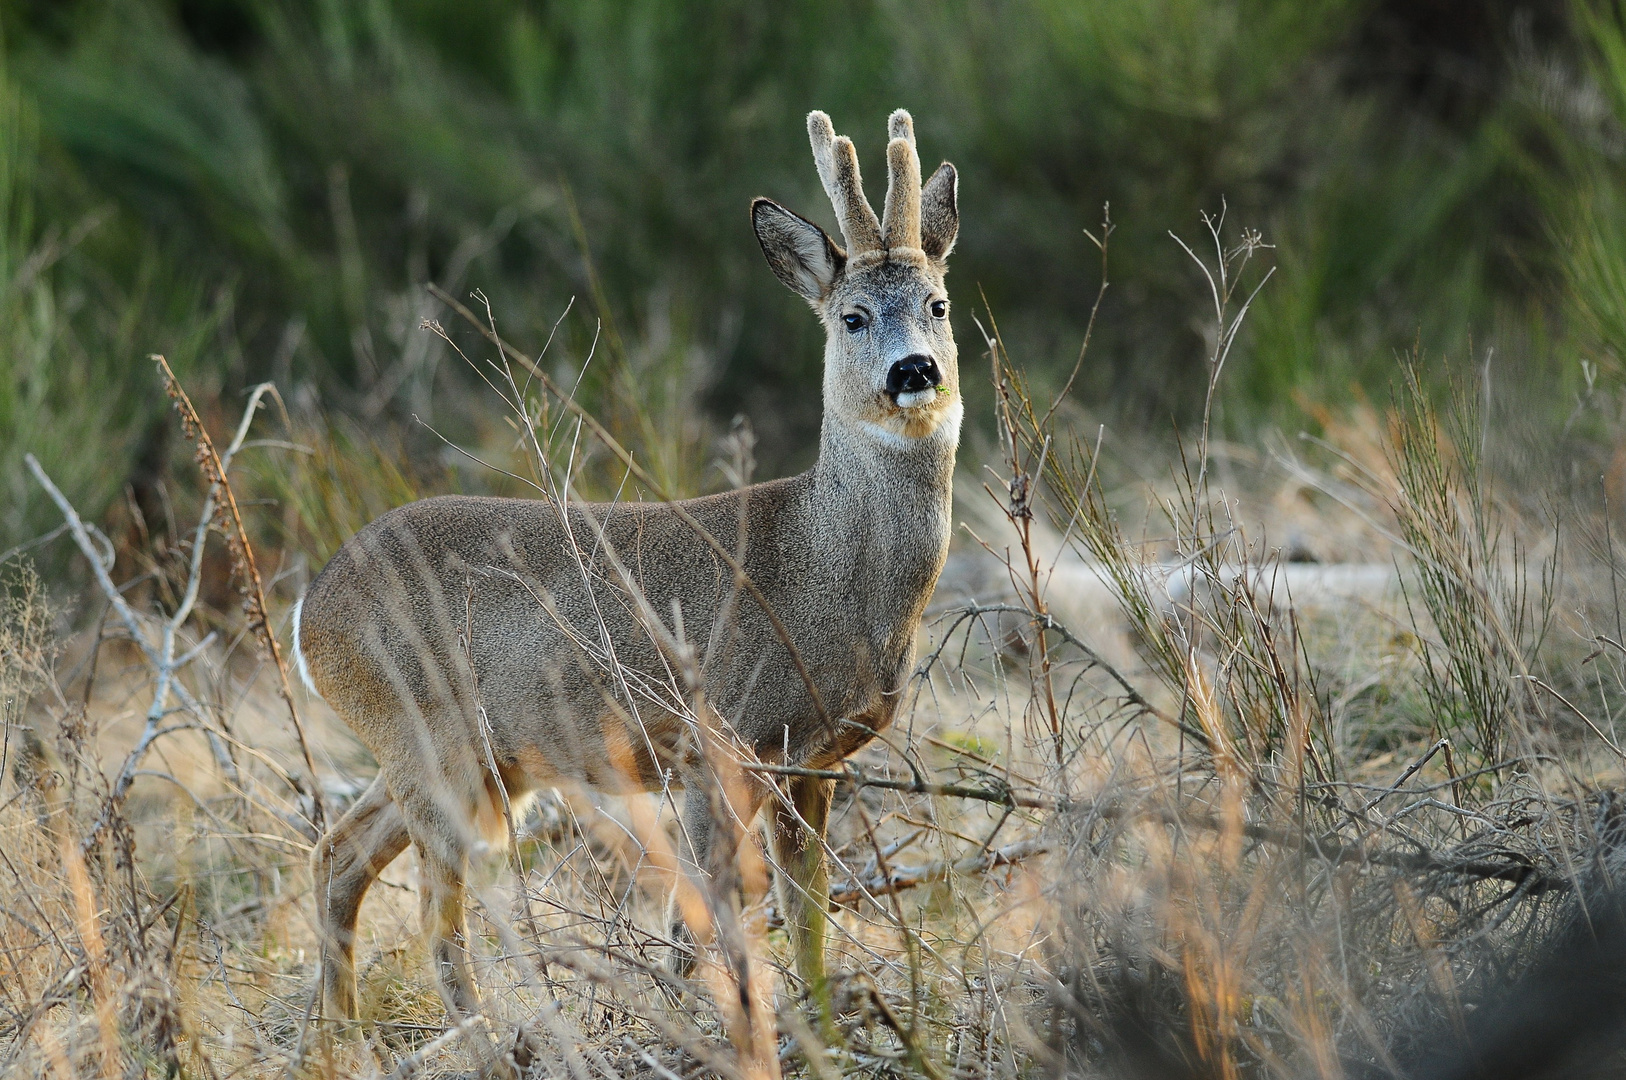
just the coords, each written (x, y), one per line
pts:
(837, 163)
(900, 125)
(900, 220)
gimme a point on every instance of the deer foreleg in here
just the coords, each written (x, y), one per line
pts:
(804, 878)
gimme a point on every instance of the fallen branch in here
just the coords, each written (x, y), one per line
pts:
(1532, 881)
(1326, 848)
(1002, 794)
(908, 877)
(1515, 868)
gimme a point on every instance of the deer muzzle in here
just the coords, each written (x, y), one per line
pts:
(912, 380)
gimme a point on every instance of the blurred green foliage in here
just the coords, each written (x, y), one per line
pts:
(261, 188)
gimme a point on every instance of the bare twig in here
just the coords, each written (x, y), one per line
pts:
(161, 657)
(214, 468)
(1049, 622)
(908, 877)
(1002, 796)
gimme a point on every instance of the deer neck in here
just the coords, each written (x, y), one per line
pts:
(882, 494)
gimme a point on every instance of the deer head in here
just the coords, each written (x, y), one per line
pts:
(890, 365)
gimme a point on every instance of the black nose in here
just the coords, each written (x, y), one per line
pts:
(911, 374)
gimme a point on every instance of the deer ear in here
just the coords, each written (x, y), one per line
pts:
(800, 253)
(940, 212)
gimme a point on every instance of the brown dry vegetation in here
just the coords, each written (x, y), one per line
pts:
(1160, 804)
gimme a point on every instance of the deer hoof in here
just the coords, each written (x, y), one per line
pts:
(682, 960)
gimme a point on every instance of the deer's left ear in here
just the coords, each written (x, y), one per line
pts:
(801, 254)
(940, 213)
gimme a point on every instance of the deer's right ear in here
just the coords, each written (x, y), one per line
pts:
(800, 253)
(940, 213)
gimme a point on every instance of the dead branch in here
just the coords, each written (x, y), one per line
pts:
(1002, 795)
(908, 877)
(243, 562)
(161, 657)
(1328, 849)
(1514, 867)
(1046, 621)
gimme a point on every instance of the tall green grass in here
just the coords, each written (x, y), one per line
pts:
(273, 181)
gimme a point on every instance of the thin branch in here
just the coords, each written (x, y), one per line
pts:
(243, 561)
(1048, 622)
(900, 878)
(160, 657)
(1001, 795)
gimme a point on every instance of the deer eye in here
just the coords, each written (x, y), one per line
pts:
(939, 309)
(855, 321)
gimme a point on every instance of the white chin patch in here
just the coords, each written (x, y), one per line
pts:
(913, 399)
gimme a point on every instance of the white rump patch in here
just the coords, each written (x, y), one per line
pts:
(299, 654)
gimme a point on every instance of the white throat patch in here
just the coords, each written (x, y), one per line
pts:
(947, 430)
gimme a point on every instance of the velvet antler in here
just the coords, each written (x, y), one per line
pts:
(900, 221)
(837, 162)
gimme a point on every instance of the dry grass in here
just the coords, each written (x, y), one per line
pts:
(1192, 827)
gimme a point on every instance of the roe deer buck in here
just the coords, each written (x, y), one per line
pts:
(448, 606)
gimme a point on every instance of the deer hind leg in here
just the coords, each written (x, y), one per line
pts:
(804, 878)
(444, 832)
(345, 864)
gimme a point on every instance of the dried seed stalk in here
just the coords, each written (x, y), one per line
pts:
(245, 570)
